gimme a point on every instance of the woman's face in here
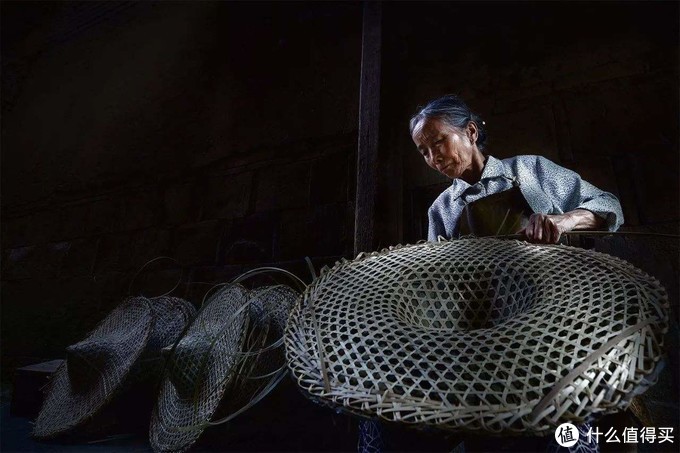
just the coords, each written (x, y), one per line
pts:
(445, 148)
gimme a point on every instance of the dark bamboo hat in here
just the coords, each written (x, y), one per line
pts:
(229, 358)
(124, 348)
(479, 335)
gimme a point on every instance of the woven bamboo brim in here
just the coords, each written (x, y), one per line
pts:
(479, 335)
(124, 350)
(262, 359)
(225, 359)
(198, 371)
(94, 368)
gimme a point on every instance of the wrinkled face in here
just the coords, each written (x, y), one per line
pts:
(445, 148)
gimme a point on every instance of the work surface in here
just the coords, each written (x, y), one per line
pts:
(284, 421)
(15, 436)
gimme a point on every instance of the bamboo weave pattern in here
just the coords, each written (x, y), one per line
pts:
(221, 363)
(479, 335)
(123, 350)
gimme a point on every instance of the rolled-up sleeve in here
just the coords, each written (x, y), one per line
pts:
(568, 191)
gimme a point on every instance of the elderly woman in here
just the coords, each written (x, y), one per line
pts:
(452, 141)
(523, 194)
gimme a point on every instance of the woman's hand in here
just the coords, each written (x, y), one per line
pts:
(547, 229)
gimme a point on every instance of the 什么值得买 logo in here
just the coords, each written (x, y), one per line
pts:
(566, 435)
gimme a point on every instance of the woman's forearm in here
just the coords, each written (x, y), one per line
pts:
(547, 228)
(579, 219)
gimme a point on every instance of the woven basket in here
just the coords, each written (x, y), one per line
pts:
(223, 363)
(479, 335)
(122, 351)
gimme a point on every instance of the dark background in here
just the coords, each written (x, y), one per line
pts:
(225, 135)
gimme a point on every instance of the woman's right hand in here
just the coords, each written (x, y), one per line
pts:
(547, 228)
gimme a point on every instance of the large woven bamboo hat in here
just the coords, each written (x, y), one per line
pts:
(479, 335)
(123, 349)
(229, 358)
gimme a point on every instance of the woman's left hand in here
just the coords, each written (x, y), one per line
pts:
(547, 228)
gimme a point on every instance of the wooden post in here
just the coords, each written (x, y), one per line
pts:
(369, 117)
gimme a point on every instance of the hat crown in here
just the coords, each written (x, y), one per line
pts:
(86, 360)
(188, 365)
(463, 301)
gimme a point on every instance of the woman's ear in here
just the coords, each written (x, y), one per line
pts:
(472, 132)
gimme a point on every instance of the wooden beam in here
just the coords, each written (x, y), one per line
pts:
(369, 117)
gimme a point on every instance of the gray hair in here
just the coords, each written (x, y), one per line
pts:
(454, 112)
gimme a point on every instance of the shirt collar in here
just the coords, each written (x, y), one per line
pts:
(493, 168)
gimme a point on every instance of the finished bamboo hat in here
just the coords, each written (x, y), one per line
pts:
(228, 359)
(123, 349)
(479, 335)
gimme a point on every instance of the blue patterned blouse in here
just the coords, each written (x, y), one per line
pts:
(547, 187)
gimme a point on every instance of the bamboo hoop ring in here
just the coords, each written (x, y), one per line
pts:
(159, 258)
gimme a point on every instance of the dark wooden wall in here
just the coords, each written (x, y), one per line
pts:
(221, 134)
